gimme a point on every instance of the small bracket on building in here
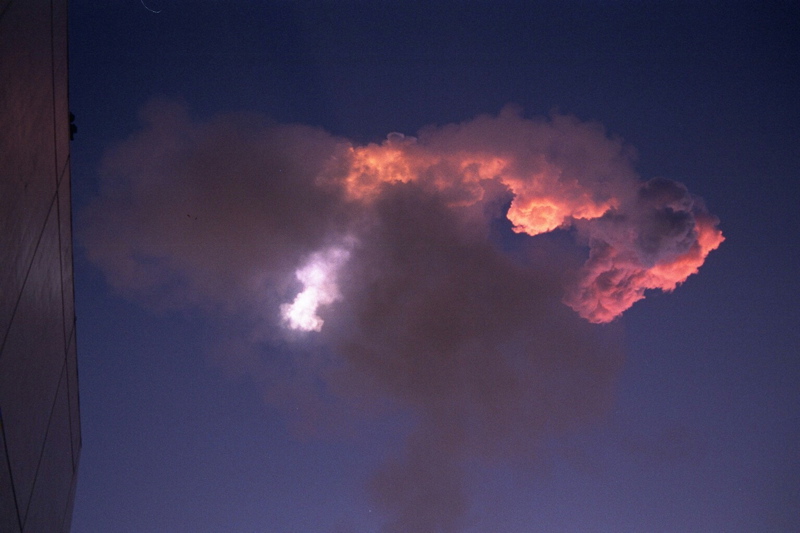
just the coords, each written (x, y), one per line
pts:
(73, 129)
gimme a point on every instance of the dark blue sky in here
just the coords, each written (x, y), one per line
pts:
(182, 435)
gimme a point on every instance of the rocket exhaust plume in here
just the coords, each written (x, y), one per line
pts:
(457, 275)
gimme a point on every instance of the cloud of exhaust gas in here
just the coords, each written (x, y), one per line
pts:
(407, 279)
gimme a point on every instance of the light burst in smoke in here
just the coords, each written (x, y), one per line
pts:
(318, 276)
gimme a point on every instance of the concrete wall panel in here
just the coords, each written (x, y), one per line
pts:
(65, 228)
(60, 83)
(9, 520)
(51, 491)
(40, 432)
(27, 144)
(31, 361)
(74, 404)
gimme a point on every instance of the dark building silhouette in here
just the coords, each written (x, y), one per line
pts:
(40, 436)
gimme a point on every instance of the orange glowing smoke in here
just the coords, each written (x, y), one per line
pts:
(614, 280)
(670, 274)
(547, 195)
(542, 201)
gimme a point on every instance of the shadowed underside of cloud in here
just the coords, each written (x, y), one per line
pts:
(389, 255)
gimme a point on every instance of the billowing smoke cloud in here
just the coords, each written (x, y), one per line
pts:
(456, 274)
(655, 240)
(559, 174)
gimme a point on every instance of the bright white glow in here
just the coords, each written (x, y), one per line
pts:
(318, 276)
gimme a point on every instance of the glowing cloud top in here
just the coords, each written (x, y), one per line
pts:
(650, 235)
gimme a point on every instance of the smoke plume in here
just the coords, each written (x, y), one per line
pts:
(459, 274)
